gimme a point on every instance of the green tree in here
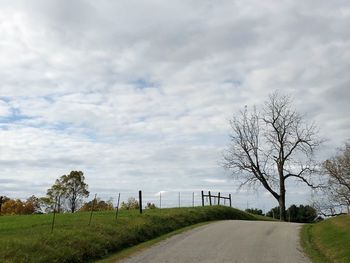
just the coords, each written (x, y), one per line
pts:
(298, 214)
(274, 213)
(255, 211)
(302, 214)
(69, 190)
(55, 196)
(75, 188)
(272, 146)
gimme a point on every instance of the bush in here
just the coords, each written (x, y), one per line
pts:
(131, 204)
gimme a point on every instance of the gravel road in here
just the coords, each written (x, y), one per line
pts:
(229, 241)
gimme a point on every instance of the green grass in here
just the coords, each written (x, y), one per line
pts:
(328, 241)
(29, 238)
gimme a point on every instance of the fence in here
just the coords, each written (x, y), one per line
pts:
(195, 199)
(171, 199)
(161, 199)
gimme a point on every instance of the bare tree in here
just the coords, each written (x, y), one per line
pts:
(337, 192)
(271, 146)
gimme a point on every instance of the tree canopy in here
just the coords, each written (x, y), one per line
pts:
(67, 190)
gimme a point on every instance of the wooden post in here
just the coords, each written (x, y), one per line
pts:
(209, 198)
(54, 214)
(192, 199)
(230, 200)
(202, 198)
(92, 208)
(116, 213)
(179, 200)
(140, 201)
(219, 198)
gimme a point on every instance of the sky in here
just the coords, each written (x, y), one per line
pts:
(139, 94)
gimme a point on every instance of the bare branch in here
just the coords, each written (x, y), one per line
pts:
(264, 145)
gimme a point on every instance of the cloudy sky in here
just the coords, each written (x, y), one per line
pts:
(138, 94)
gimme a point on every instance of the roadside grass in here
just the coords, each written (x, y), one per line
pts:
(29, 239)
(328, 241)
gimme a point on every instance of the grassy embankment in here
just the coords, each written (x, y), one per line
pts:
(29, 238)
(328, 241)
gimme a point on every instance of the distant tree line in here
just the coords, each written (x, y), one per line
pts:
(65, 195)
(298, 214)
(10, 206)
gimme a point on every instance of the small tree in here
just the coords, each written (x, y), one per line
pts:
(274, 213)
(32, 205)
(75, 188)
(150, 206)
(55, 196)
(67, 189)
(269, 147)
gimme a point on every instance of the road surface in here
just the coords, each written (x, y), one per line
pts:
(229, 241)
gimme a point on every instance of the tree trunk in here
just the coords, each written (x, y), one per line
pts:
(282, 201)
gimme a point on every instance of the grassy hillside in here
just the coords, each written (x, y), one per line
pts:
(328, 241)
(29, 238)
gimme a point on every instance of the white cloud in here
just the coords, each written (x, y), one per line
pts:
(139, 93)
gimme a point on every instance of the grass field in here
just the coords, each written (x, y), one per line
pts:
(29, 238)
(328, 241)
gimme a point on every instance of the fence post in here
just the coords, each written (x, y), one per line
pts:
(160, 200)
(140, 201)
(179, 200)
(219, 198)
(209, 198)
(192, 199)
(54, 214)
(116, 213)
(92, 208)
(202, 198)
(230, 200)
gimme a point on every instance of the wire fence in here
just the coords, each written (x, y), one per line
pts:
(161, 199)
(171, 199)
